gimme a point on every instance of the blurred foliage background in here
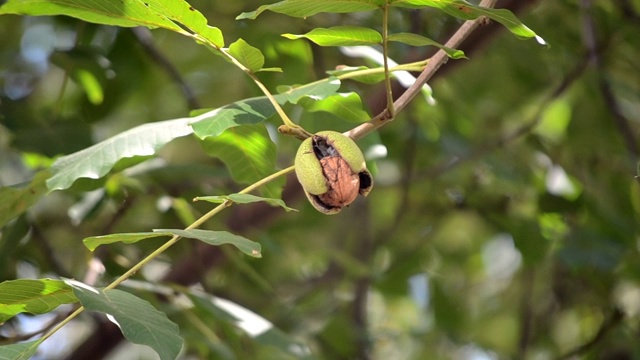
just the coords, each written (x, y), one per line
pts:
(504, 222)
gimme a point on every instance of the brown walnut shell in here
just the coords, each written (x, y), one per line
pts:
(344, 184)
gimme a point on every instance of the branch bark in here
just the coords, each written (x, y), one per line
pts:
(435, 62)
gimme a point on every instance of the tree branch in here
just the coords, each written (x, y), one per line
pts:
(435, 62)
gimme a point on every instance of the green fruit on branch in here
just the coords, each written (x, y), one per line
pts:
(332, 171)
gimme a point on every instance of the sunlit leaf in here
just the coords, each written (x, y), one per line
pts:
(258, 109)
(167, 14)
(419, 40)
(16, 200)
(138, 320)
(20, 351)
(247, 55)
(305, 8)
(32, 296)
(249, 154)
(467, 11)
(346, 106)
(341, 36)
(317, 89)
(96, 161)
(217, 238)
(244, 199)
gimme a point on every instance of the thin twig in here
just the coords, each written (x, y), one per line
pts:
(432, 67)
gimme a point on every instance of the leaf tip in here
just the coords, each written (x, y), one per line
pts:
(542, 42)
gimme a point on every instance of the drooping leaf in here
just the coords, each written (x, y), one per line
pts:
(305, 8)
(246, 112)
(247, 55)
(244, 199)
(211, 237)
(16, 200)
(419, 40)
(96, 161)
(167, 14)
(219, 238)
(467, 11)
(128, 238)
(341, 36)
(249, 154)
(20, 351)
(347, 106)
(32, 296)
(138, 320)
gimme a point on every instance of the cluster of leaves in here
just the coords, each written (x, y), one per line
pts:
(222, 132)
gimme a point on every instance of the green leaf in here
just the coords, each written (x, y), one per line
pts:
(341, 36)
(167, 14)
(244, 199)
(258, 109)
(21, 351)
(318, 89)
(32, 296)
(466, 11)
(96, 161)
(249, 154)
(211, 237)
(247, 55)
(217, 238)
(305, 8)
(419, 40)
(347, 106)
(93, 242)
(138, 320)
(16, 200)
(245, 112)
